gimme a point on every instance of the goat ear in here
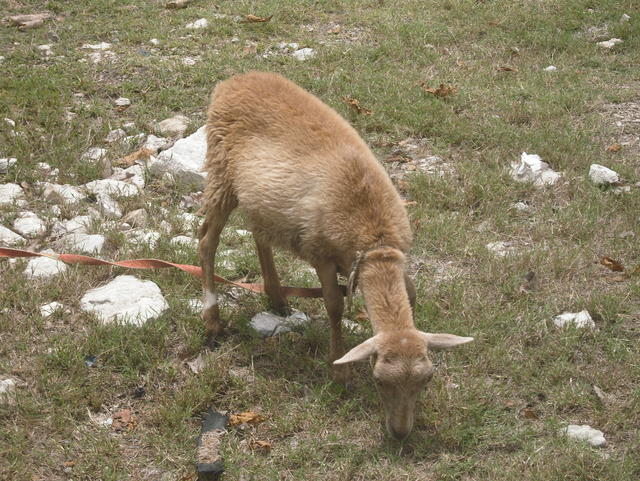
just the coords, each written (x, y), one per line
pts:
(360, 352)
(444, 341)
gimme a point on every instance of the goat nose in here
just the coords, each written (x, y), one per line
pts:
(398, 434)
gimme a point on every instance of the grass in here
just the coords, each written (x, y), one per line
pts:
(495, 407)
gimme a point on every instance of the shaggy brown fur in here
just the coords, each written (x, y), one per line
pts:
(308, 183)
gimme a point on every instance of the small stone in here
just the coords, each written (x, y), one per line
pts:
(174, 126)
(586, 433)
(601, 175)
(624, 18)
(29, 225)
(189, 61)
(198, 24)
(551, 68)
(62, 193)
(112, 187)
(184, 241)
(185, 160)
(208, 460)
(136, 218)
(610, 43)
(108, 206)
(133, 175)
(195, 305)
(97, 46)
(189, 221)
(155, 143)
(521, 206)
(94, 154)
(267, 324)
(580, 319)
(154, 41)
(140, 237)
(501, 248)
(44, 267)
(531, 168)
(6, 163)
(122, 102)
(304, 54)
(115, 135)
(49, 309)
(7, 391)
(10, 193)
(10, 238)
(126, 299)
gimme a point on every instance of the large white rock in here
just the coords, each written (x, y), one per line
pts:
(132, 175)
(610, 43)
(185, 160)
(580, 319)
(94, 154)
(109, 207)
(601, 175)
(10, 238)
(126, 299)
(584, 432)
(112, 187)
(6, 163)
(9, 193)
(155, 143)
(44, 267)
(62, 193)
(29, 225)
(174, 126)
(78, 225)
(86, 243)
(531, 168)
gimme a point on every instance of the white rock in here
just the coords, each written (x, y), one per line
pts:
(62, 193)
(137, 218)
(115, 135)
(133, 175)
(109, 207)
(185, 160)
(184, 241)
(198, 24)
(97, 46)
(44, 267)
(97, 57)
(243, 233)
(78, 225)
(140, 236)
(189, 221)
(7, 391)
(126, 299)
(531, 168)
(45, 50)
(521, 206)
(112, 187)
(86, 243)
(10, 122)
(50, 308)
(585, 432)
(6, 163)
(93, 154)
(174, 126)
(501, 248)
(55, 210)
(580, 319)
(601, 175)
(195, 305)
(551, 68)
(29, 225)
(122, 102)
(154, 41)
(610, 43)
(267, 324)
(288, 46)
(189, 61)
(10, 193)
(304, 54)
(10, 238)
(624, 18)
(155, 143)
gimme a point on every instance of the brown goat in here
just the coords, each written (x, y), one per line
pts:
(307, 182)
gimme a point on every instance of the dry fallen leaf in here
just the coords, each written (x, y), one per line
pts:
(530, 413)
(397, 158)
(355, 103)
(248, 417)
(123, 420)
(611, 264)
(254, 19)
(130, 159)
(260, 445)
(442, 91)
(614, 148)
(507, 69)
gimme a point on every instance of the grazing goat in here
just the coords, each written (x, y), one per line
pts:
(307, 182)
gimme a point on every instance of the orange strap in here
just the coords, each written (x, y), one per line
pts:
(157, 264)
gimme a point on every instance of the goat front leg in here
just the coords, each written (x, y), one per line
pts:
(216, 218)
(270, 276)
(334, 302)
